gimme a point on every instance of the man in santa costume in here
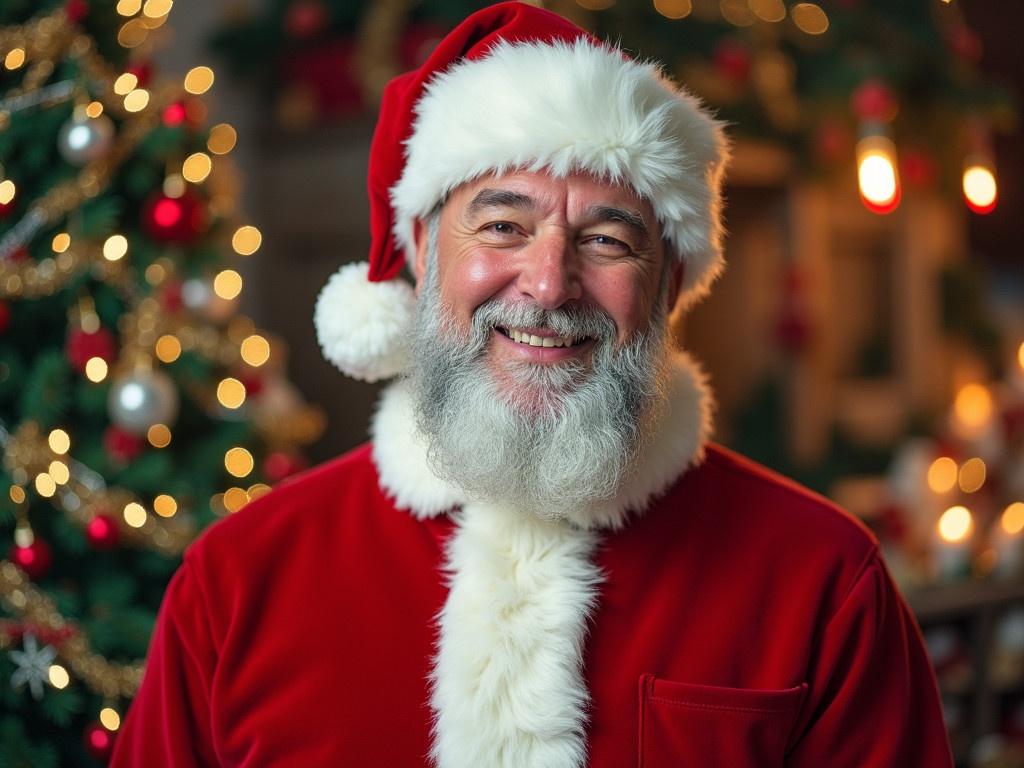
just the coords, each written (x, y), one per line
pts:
(539, 561)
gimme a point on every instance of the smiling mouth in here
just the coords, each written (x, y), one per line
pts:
(525, 337)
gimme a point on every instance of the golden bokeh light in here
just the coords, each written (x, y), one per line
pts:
(59, 471)
(973, 405)
(135, 514)
(197, 167)
(110, 719)
(955, 524)
(231, 393)
(809, 18)
(165, 505)
(674, 9)
(222, 139)
(129, 7)
(972, 475)
(59, 677)
(235, 499)
(125, 84)
(876, 172)
(174, 185)
(137, 100)
(7, 191)
(942, 475)
(115, 247)
(94, 109)
(45, 485)
(154, 9)
(132, 34)
(61, 242)
(155, 273)
(255, 350)
(15, 58)
(198, 80)
(159, 435)
(980, 189)
(1012, 519)
(238, 461)
(258, 489)
(167, 348)
(737, 12)
(59, 441)
(17, 494)
(96, 369)
(246, 240)
(1020, 355)
(227, 284)
(768, 10)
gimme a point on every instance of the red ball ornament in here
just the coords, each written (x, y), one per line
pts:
(252, 382)
(306, 18)
(279, 465)
(732, 60)
(5, 316)
(35, 559)
(874, 100)
(99, 742)
(76, 10)
(174, 114)
(81, 346)
(174, 219)
(122, 446)
(102, 532)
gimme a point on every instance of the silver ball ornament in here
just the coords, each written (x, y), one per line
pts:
(139, 401)
(83, 139)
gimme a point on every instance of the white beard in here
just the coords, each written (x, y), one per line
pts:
(575, 441)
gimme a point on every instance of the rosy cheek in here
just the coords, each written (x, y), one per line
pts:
(474, 281)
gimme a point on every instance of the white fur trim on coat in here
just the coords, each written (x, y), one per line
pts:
(363, 327)
(566, 107)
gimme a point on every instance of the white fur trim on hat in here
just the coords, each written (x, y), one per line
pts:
(571, 107)
(363, 327)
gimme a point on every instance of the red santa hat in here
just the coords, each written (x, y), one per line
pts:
(518, 87)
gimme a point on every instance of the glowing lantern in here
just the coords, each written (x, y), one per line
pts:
(877, 179)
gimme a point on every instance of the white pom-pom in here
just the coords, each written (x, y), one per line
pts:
(363, 327)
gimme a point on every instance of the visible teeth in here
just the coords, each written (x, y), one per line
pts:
(535, 341)
(539, 341)
(548, 341)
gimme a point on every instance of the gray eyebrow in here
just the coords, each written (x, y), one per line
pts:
(499, 198)
(631, 219)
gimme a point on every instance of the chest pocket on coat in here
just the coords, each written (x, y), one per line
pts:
(706, 726)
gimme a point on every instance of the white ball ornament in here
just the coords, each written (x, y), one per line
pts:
(83, 139)
(144, 398)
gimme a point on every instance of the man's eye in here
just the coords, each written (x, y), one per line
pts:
(501, 228)
(606, 244)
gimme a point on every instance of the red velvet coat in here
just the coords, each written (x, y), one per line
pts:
(740, 621)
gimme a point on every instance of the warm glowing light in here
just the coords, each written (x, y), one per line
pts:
(167, 213)
(125, 84)
(168, 348)
(255, 350)
(231, 393)
(673, 9)
(222, 139)
(174, 185)
(115, 247)
(235, 499)
(14, 58)
(155, 273)
(135, 514)
(198, 80)
(258, 489)
(7, 191)
(1020, 355)
(61, 242)
(246, 240)
(154, 9)
(768, 10)
(196, 167)
(238, 461)
(980, 189)
(973, 406)
(159, 435)
(809, 18)
(227, 284)
(59, 471)
(110, 719)
(972, 475)
(955, 524)
(132, 34)
(1012, 519)
(45, 485)
(17, 494)
(129, 7)
(137, 100)
(942, 474)
(59, 677)
(59, 441)
(96, 369)
(165, 505)
(876, 174)
(94, 109)
(737, 12)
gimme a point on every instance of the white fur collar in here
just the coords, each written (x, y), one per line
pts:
(400, 452)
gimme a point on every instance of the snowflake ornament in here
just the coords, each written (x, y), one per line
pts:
(33, 665)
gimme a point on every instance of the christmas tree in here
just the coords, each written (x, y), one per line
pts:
(136, 404)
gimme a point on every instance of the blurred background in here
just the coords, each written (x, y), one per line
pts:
(867, 337)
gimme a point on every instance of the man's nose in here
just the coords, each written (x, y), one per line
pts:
(550, 272)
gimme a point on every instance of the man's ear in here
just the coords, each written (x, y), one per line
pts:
(421, 239)
(676, 281)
